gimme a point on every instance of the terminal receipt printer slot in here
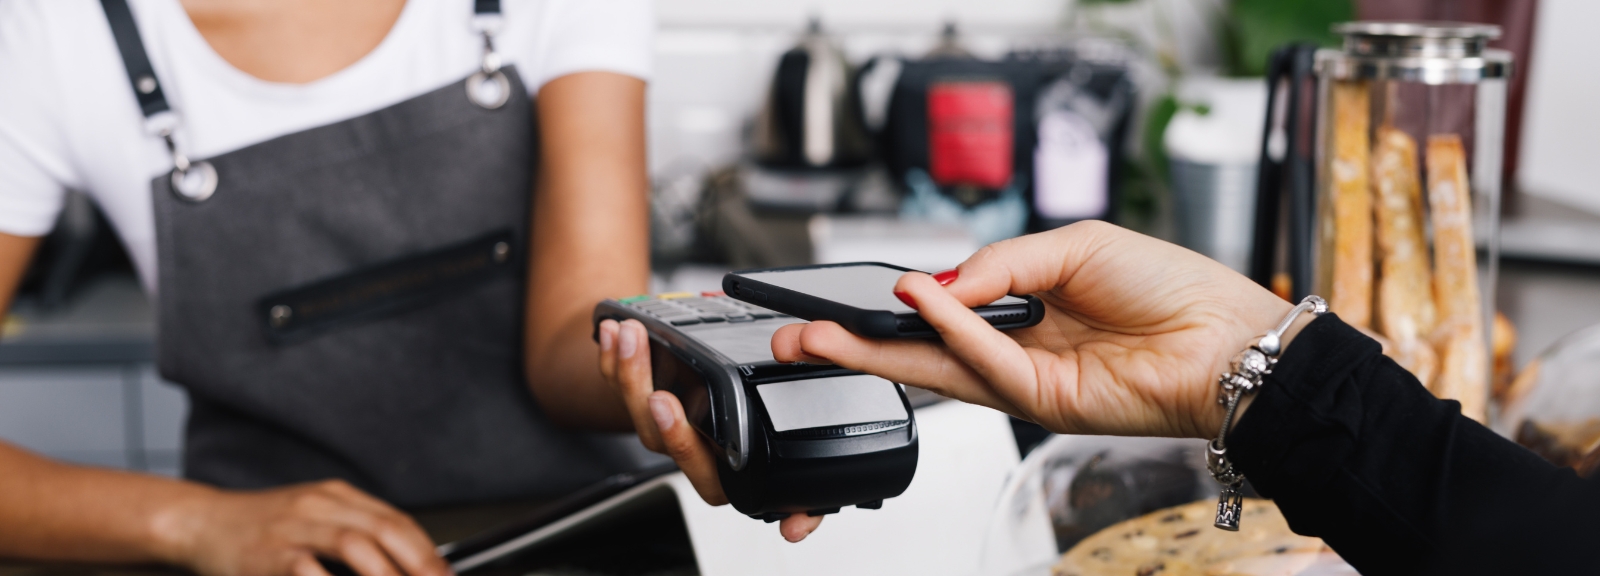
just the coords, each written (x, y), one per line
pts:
(792, 437)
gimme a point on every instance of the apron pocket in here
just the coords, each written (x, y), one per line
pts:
(385, 288)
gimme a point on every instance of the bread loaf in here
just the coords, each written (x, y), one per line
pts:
(1350, 295)
(1418, 358)
(1405, 285)
(1459, 335)
(1464, 372)
(1405, 311)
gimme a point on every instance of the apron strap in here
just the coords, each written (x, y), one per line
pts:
(141, 75)
(192, 181)
(198, 184)
(488, 87)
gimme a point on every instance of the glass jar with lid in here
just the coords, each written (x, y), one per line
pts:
(1410, 129)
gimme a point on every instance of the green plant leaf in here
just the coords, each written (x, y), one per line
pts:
(1137, 207)
(1254, 28)
(1155, 135)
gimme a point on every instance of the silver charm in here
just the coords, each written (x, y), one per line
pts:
(1230, 505)
(1217, 463)
(1252, 361)
(1249, 370)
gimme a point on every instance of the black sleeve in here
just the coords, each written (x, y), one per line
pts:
(1355, 451)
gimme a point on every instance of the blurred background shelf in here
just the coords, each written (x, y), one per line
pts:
(77, 380)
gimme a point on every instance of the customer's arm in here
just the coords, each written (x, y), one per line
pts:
(1136, 331)
(1357, 452)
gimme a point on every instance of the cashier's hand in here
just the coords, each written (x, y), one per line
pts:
(1135, 332)
(283, 531)
(659, 419)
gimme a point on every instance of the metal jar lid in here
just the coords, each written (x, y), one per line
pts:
(1426, 52)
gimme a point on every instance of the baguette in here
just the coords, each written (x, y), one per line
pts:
(1459, 335)
(1464, 373)
(1351, 293)
(1419, 357)
(1405, 311)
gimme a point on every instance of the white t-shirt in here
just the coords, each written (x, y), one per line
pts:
(69, 118)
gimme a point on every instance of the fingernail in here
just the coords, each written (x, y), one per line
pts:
(790, 534)
(608, 338)
(627, 341)
(905, 297)
(662, 413)
(946, 277)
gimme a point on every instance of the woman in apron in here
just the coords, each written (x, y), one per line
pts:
(364, 299)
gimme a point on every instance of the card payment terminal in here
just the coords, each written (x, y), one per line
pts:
(791, 437)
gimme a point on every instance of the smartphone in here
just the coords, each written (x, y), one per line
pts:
(860, 297)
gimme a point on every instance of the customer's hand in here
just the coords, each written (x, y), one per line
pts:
(1135, 332)
(658, 417)
(283, 531)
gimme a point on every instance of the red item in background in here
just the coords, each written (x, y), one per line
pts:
(969, 133)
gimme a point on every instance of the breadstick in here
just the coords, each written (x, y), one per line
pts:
(1418, 357)
(1421, 360)
(1351, 293)
(1463, 354)
(1405, 310)
(1464, 373)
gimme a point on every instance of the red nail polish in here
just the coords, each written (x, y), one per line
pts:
(904, 297)
(946, 277)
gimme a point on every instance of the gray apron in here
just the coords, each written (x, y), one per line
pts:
(347, 301)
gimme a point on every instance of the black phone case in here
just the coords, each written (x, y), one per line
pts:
(868, 323)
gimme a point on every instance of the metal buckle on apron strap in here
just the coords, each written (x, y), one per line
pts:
(488, 87)
(191, 181)
(197, 181)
